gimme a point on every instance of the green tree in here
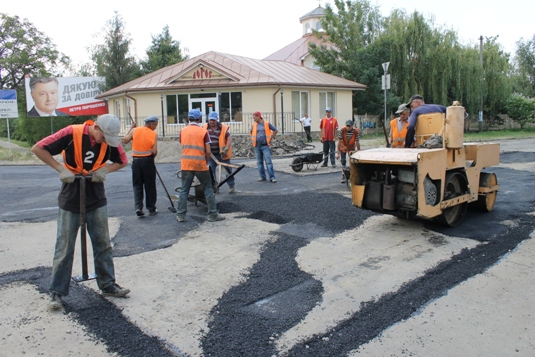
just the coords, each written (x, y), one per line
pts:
(112, 58)
(352, 31)
(424, 59)
(163, 52)
(521, 109)
(524, 78)
(24, 50)
(496, 82)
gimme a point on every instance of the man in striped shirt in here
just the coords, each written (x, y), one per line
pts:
(348, 140)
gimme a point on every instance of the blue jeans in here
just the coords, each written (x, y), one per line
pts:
(213, 165)
(263, 153)
(68, 227)
(206, 184)
(328, 150)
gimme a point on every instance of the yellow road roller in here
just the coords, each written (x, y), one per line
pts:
(432, 181)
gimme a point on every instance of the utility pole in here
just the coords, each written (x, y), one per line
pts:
(480, 117)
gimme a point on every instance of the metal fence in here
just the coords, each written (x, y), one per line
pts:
(287, 123)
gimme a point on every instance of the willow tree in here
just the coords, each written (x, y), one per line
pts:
(525, 67)
(496, 79)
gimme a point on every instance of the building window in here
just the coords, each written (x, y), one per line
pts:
(299, 104)
(230, 104)
(327, 99)
(118, 109)
(318, 26)
(127, 112)
(177, 108)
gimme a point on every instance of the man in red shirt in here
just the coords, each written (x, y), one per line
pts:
(328, 126)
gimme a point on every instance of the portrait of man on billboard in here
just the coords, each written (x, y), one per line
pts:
(45, 95)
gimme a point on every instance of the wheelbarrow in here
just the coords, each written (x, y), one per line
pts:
(310, 160)
(216, 183)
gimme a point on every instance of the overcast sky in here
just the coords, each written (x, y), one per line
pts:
(249, 28)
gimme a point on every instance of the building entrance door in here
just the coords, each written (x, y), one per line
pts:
(205, 105)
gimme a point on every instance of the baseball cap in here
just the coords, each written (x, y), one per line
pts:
(403, 107)
(258, 114)
(151, 119)
(328, 109)
(414, 97)
(110, 125)
(195, 114)
(213, 116)
(349, 122)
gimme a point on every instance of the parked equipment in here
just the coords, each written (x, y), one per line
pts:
(437, 180)
(311, 160)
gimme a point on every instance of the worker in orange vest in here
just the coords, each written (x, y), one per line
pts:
(144, 150)
(196, 152)
(398, 127)
(221, 146)
(86, 150)
(262, 132)
(348, 140)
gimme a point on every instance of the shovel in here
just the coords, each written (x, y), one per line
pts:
(83, 231)
(172, 208)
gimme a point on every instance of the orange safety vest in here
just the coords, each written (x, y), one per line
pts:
(77, 135)
(268, 131)
(222, 140)
(346, 146)
(398, 137)
(323, 124)
(143, 141)
(193, 148)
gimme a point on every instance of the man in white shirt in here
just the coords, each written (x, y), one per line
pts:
(305, 121)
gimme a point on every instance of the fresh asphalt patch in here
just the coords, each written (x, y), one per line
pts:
(276, 293)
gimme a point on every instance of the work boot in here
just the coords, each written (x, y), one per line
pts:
(215, 218)
(153, 213)
(231, 189)
(181, 218)
(55, 302)
(114, 290)
(140, 213)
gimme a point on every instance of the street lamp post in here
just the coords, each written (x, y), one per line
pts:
(163, 121)
(480, 117)
(282, 109)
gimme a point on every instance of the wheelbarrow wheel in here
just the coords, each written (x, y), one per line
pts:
(297, 164)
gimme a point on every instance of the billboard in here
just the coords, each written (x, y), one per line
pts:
(64, 96)
(8, 104)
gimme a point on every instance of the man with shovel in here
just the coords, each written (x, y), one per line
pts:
(144, 150)
(86, 148)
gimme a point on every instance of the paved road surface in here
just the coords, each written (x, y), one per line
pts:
(295, 270)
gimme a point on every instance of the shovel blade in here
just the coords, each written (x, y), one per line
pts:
(80, 278)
